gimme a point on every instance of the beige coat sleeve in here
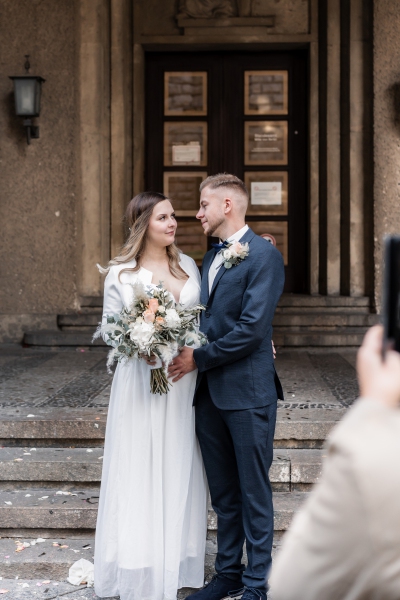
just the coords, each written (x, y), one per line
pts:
(339, 546)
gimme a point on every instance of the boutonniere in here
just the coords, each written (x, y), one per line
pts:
(234, 254)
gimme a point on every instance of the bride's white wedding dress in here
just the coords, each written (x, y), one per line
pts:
(152, 521)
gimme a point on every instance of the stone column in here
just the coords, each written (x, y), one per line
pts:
(356, 195)
(121, 117)
(333, 147)
(94, 99)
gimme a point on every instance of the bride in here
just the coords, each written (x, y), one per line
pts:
(152, 520)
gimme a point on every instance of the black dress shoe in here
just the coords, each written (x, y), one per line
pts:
(218, 588)
(253, 594)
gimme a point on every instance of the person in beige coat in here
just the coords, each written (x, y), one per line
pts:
(344, 544)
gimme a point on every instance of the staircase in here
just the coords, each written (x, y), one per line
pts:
(299, 321)
(322, 320)
(50, 468)
(74, 329)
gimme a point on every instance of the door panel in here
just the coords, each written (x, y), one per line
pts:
(242, 113)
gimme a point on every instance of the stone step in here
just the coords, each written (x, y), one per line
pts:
(44, 560)
(61, 338)
(45, 509)
(287, 300)
(326, 310)
(302, 300)
(295, 428)
(311, 319)
(303, 337)
(315, 321)
(85, 464)
(51, 464)
(52, 425)
(91, 301)
(90, 320)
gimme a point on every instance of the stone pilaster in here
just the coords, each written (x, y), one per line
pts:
(94, 102)
(333, 147)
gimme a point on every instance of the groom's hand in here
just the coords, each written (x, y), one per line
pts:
(182, 364)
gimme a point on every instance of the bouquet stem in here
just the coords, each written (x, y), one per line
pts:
(159, 383)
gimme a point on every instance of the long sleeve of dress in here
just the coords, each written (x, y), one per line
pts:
(113, 303)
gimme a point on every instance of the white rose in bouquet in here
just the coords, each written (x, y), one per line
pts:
(142, 334)
(172, 318)
(227, 254)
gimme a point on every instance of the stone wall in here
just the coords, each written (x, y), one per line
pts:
(153, 17)
(38, 182)
(386, 128)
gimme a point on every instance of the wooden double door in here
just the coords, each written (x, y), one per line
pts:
(236, 112)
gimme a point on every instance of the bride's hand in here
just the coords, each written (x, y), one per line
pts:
(150, 360)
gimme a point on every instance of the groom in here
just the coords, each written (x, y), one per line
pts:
(237, 389)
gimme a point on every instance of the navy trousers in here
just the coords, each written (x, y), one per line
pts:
(237, 449)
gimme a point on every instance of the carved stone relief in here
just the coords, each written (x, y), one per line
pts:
(207, 9)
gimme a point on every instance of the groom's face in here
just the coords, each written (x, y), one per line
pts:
(211, 213)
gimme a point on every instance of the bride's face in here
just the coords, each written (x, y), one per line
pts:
(162, 225)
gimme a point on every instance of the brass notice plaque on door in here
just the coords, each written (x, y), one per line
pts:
(185, 93)
(265, 143)
(266, 93)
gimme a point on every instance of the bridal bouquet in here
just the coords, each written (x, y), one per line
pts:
(153, 325)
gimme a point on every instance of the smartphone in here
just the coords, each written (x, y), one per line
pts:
(391, 294)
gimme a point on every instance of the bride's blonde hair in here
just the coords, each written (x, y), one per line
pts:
(137, 217)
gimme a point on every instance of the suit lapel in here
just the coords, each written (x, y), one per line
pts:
(204, 277)
(222, 270)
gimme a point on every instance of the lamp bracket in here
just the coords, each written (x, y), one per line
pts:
(32, 131)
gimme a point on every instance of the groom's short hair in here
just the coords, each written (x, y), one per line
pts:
(225, 180)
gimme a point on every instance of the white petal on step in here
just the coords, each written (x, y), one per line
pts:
(40, 540)
(30, 415)
(28, 495)
(89, 450)
(43, 498)
(27, 454)
(9, 503)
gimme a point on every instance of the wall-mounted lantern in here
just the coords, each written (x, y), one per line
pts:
(27, 91)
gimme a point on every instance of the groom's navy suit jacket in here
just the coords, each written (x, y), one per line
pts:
(238, 359)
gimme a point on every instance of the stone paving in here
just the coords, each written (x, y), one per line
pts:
(77, 379)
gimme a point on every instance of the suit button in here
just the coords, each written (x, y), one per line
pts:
(208, 314)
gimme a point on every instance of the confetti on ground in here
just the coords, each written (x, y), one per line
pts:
(8, 502)
(30, 415)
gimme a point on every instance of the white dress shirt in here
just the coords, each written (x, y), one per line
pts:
(219, 259)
